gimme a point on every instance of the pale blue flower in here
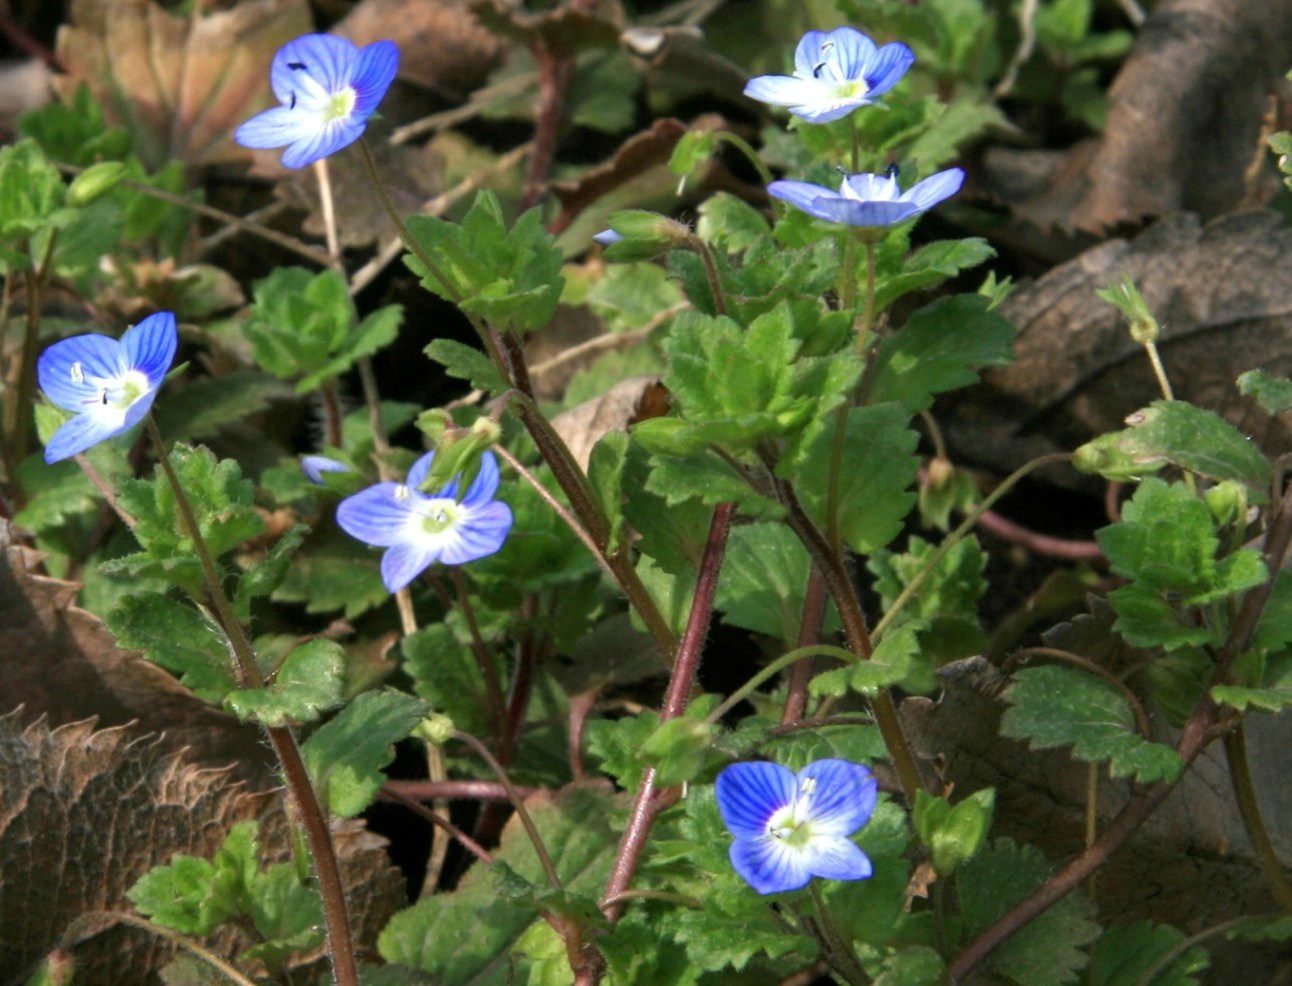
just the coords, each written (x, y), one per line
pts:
(328, 88)
(869, 200)
(419, 528)
(109, 384)
(834, 73)
(792, 827)
(607, 237)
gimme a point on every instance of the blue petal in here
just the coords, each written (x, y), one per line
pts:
(136, 411)
(851, 55)
(838, 796)
(485, 485)
(808, 54)
(803, 195)
(376, 69)
(867, 214)
(749, 794)
(375, 515)
(826, 111)
(277, 127)
(479, 534)
(866, 187)
(418, 473)
(322, 142)
(403, 562)
(80, 433)
(770, 865)
(98, 356)
(935, 188)
(835, 858)
(607, 237)
(783, 90)
(887, 68)
(150, 346)
(314, 466)
(328, 62)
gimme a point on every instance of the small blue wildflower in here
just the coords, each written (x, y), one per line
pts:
(607, 237)
(109, 384)
(868, 200)
(314, 466)
(792, 827)
(418, 528)
(328, 88)
(833, 75)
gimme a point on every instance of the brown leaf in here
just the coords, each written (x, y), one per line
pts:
(564, 30)
(1184, 118)
(85, 813)
(179, 84)
(61, 663)
(626, 403)
(1077, 372)
(441, 46)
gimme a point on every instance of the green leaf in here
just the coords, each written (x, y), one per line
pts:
(508, 277)
(310, 681)
(466, 363)
(730, 223)
(1180, 434)
(1124, 955)
(931, 264)
(915, 965)
(374, 333)
(1047, 950)
(1273, 394)
(195, 896)
(287, 914)
(874, 488)
(706, 477)
(268, 573)
(938, 349)
(894, 660)
(1061, 706)
(333, 572)
(345, 755)
(446, 674)
(468, 937)
(616, 742)
(764, 579)
(633, 295)
(179, 638)
(298, 321)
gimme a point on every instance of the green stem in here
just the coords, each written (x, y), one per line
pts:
(958, 535)
(1249, 808)
(1165, 960)
(340, 944)
(743, 146)
(19, 413)
(844, 959)
(75, 934)
(517, 802)
(775, 668)
(711, 272)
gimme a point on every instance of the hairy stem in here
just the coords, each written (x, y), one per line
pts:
(1249, 808)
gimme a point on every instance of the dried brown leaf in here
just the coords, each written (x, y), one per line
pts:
(626, 403)
(180, 84)
(1077, 373)
(564, 30)
(85, 813)
(60, 662)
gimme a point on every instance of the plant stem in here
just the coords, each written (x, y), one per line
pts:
(74, 934)
(1194, 737)
(815, 599)
(340, 944)
(845, 961)
(647, 805)
(775, 668)
(18, 411)
(1249, 808)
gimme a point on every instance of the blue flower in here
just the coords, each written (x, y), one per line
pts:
(328, 88)
(868, 200)
(109, 384)
(792, 827)
(314, 466)
(418, 528)
(834, 74)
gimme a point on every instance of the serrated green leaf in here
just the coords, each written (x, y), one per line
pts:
(310, 681)
(177, 637)
(445, 673)
(1124, 955)
(468, 937)
(508, 277)
(195, 896)
(1192, 438)
(1272, 393)
(764, 579)
(287, 914)
(940, 348)
(706, 477)
(632, 295)
(730, 223)
(891, 663)
(1047, 950)
(374, 333)
(915, 965)
(615, 743)
(930, 265)
(874, 488)
(1061, 706)
(345, 756)
(268, 573)
(462, 361)
(333, 573)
